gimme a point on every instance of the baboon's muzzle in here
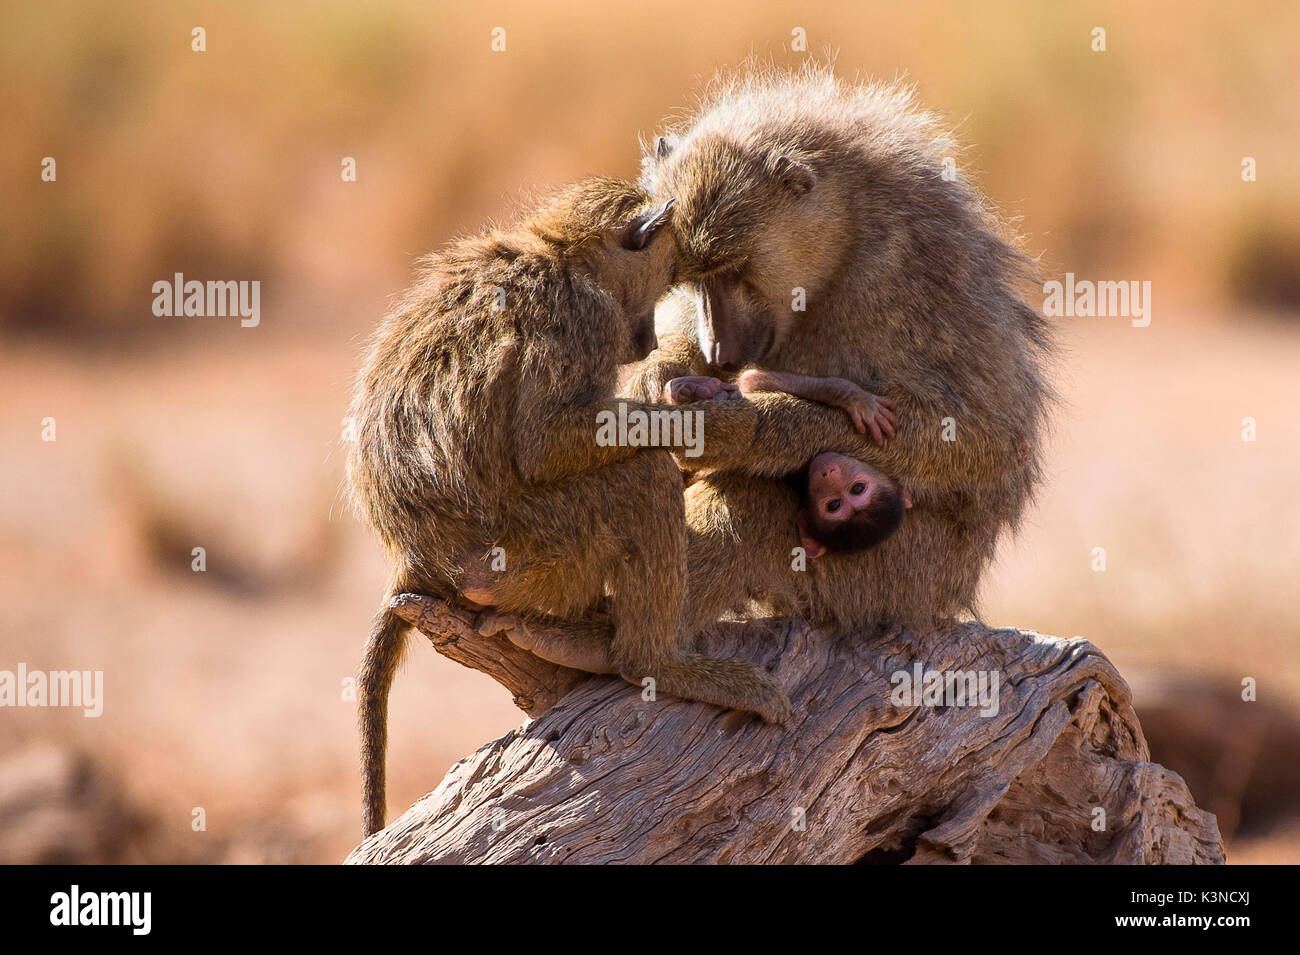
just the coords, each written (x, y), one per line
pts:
(731, 331)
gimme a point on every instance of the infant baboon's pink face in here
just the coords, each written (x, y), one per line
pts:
(850, 506)
(839, 486)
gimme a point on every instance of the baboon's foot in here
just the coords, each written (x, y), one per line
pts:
(736, 684)
(773, 703)
(579, 644)
(490, 623)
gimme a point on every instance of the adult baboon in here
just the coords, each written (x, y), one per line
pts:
(477, 426)
(820, 235)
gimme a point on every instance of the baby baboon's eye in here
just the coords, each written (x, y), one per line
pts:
(833, 506)
(857, 488)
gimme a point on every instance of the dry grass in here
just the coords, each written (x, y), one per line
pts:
(227, 162)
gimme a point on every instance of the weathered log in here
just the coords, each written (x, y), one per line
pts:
(478, 640)
(1051, 768)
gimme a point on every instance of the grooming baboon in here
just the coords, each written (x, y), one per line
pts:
(795, 189)
(476, 427)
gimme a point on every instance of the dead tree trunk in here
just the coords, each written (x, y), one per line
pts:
(1050, 766)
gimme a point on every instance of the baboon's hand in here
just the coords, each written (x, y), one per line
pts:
(869, 412)
(684, 390)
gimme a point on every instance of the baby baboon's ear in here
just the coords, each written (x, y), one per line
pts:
(794, 175)
(812, 547)
(643, 228)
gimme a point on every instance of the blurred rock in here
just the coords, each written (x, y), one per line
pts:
(58, 807)
(1241, 760)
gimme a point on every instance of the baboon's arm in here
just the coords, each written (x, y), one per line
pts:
(791, 432)
(826, 391)
(678, 356)
(556, 433)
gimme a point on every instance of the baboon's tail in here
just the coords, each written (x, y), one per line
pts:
(384, 652)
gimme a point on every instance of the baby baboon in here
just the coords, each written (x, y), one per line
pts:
(476, 420)
(847, 506)
(822, 235)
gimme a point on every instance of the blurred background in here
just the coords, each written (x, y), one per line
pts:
(225, 690)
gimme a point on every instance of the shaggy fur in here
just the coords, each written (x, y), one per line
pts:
(786, 180)
(475, 417)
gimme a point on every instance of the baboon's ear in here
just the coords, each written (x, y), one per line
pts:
(643, 228)
(662, 149)
(812, 547)
(794, 175)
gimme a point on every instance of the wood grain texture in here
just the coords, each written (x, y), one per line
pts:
(603, 775)
(478, 640)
